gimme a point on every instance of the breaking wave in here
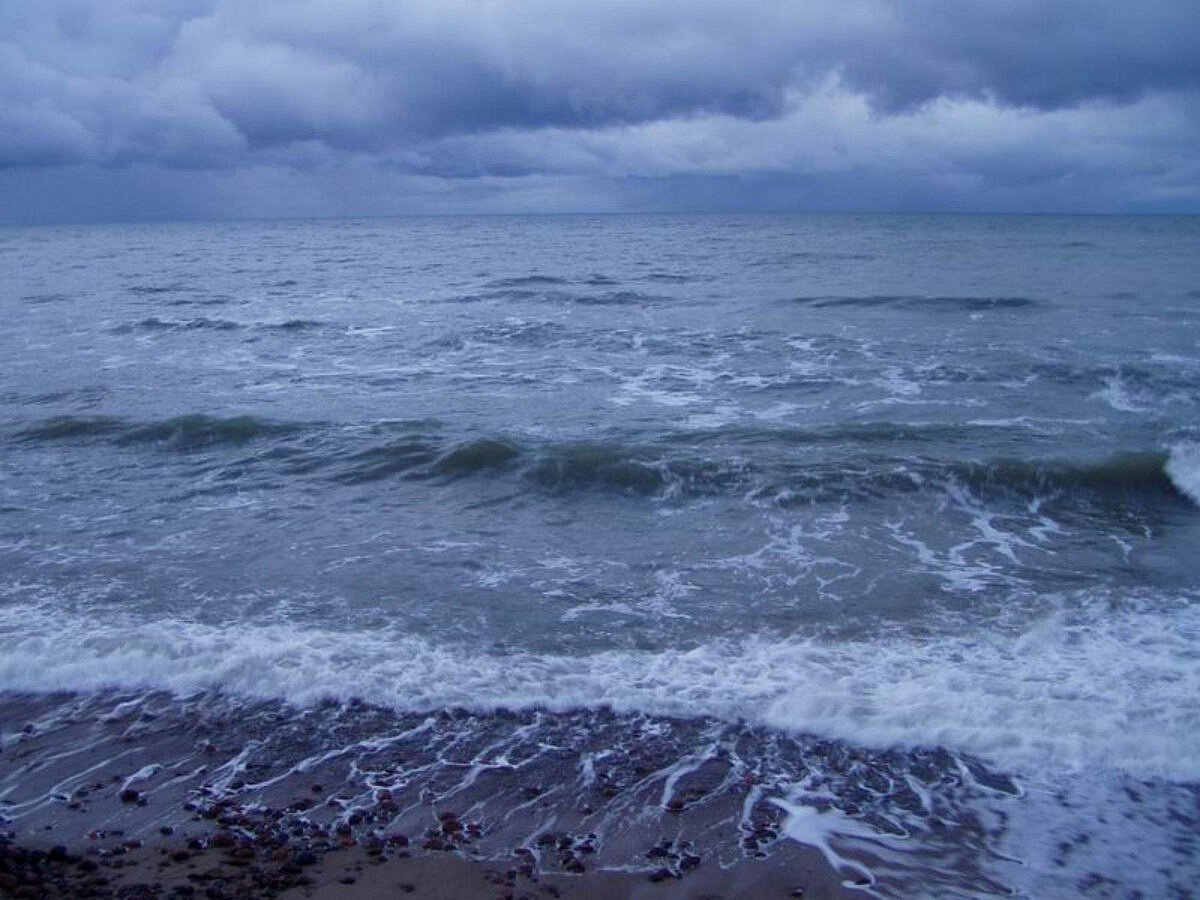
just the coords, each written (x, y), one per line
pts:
(1090, 685)
(792, 465)
(1183, 468)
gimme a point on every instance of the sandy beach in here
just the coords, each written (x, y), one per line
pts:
(158, 871)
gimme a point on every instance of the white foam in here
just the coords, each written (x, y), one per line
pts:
(1183, 468)
(1095, 685)
(1117, 395)
(817, 827)
(1094, 828)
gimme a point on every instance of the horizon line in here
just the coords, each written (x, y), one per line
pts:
(544, 214)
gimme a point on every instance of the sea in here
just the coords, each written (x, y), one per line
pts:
(879, 533)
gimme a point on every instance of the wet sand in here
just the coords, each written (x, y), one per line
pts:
(157, 797)
(226, 864)
(796, 872)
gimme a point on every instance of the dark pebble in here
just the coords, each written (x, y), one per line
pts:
(129, 795)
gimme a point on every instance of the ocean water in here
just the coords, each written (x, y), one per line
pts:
(915, 497)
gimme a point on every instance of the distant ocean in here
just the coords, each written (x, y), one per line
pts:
(889, 524)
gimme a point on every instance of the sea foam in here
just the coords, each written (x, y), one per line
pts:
(1183, 468)
(1098, 685)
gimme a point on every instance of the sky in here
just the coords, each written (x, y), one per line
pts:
(186, 109)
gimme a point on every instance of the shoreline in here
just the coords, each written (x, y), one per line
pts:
(154, 796)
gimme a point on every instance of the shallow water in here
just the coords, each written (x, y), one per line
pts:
(926, 483)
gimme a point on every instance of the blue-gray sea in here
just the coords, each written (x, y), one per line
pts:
(918, 493)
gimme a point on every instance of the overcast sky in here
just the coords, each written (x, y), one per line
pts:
(146, 109)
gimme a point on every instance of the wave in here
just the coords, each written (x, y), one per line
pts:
(526, 281)
(196, 431)
(671, 277)
(203, 323)
(588, 465)
(918, 302)
(805, 256)
(619, 298)
(153, 323)
(546, 292)
(155, 289)
(62, 428)
(393, 458)
(296, 325)
(1130, 474)
(848, 434)
(475, 456)
(417, 453)
(785, 465)
(1183, 468)
(1135, 479)
(46, 298)
(181, 432)
(558, 468)
(1094, 684)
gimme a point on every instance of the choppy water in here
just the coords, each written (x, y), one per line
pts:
(929, 483)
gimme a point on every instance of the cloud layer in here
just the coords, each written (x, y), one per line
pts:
(495, 104)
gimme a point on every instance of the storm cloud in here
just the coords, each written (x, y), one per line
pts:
(277, 107)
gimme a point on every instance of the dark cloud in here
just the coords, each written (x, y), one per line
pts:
(604, 90)
(1039, 54)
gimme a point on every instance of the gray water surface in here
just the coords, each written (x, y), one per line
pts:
(915, 480)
